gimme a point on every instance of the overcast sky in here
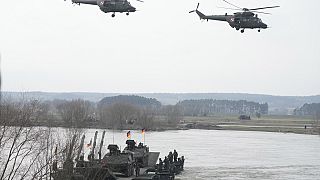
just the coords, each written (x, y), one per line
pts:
(51, 45)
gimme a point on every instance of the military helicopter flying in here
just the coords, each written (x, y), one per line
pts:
(247, 19)
(110, 6)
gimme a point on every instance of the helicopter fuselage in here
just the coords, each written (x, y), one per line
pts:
(109, 6)
(116, 6)
(246, 22)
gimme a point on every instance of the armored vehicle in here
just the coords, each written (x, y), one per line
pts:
(120, 163)
(140, 152)
(92, 169)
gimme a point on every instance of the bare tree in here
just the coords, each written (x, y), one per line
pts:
(146, 118)
(21, 144)
(173, 114)
(75, 113)
(118, 114)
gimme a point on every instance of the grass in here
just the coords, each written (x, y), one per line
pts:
(268, 123)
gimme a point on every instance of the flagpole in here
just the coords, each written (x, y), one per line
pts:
(113, 135)
(144, 138)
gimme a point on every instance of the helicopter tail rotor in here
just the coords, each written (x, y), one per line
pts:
(201, 15)
(195, 9)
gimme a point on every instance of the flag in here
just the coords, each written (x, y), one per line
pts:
(143, 131)
(89, 145)
(128, 134)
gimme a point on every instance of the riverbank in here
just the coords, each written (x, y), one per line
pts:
(284, 124)
(268, 123)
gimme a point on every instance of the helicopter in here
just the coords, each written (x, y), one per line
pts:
(110, 6)
(246, 19)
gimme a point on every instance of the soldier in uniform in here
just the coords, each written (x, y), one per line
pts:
(166, 163)
(137, 168)
(182, 160)
(160, 165)
(170, 157)
(175, 155)
(80, 163)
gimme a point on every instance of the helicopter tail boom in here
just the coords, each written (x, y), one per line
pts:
(92, 2)
(200, 14)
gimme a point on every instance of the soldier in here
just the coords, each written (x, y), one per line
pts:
(166, 163)
(160, 165)
(182, 160)
(80, 163)
(170, 157)
(137, 168)
(180, 164)
(175, 155)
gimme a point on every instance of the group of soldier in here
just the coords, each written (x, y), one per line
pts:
(171, 159)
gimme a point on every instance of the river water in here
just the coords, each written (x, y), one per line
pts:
(212, 154)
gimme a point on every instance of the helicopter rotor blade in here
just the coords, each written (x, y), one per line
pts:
(261, 12)
(140, 1)
(232, 4)
(192, 11)
(198, 6)
(228, 8)
(253, 9)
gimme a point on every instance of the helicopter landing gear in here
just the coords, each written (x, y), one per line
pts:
(113, 15)
(242, 30)
(237, 29)
(127, 13)
(259, 30)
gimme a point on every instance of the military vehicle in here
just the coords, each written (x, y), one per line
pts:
(114, 165)
(140, 152)
(119, 162)
(246, 19)
(92, 169)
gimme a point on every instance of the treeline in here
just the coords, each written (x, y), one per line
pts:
(312, 109)
(205, 107)
(138, 101)
(124, 112)
(119, 112)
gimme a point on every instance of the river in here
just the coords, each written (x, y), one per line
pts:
(214, 154)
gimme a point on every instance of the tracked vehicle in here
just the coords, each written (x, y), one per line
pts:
(120, 163)
(140, 152)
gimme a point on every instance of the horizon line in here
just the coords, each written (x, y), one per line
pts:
(128, 93)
